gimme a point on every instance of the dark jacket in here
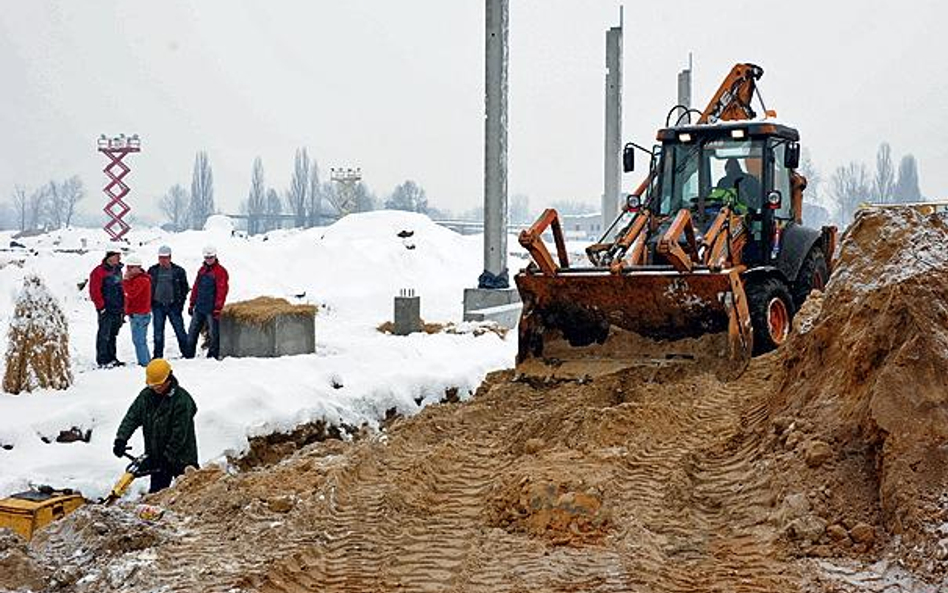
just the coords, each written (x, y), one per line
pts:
(179, 280)
(210, 289)
(167, 422)
(105, 288)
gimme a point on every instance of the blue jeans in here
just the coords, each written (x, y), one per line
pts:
(198, 321)
(139, 323)
(162, 312)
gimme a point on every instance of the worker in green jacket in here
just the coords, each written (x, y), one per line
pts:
(165, 412)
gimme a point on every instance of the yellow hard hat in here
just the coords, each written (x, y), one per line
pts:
(157, 372)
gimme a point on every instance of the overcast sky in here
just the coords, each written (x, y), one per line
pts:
(396, 88)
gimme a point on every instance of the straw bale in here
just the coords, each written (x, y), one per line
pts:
(38, 342)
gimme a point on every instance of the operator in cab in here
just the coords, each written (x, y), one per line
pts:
(742, 187)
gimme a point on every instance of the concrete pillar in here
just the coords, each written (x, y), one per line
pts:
(613, 137)
(684, 90)
(495, 148)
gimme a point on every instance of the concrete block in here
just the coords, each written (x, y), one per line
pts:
(407, 313)
(283, 335)
(501, 305)
(482, 298)
(505, 315)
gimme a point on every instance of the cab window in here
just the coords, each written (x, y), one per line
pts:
(782, 181)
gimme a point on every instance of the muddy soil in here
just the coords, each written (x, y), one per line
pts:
(821, 468)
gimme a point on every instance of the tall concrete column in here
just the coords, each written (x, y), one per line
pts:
(495, 148)
(684, 91)
(613, 142)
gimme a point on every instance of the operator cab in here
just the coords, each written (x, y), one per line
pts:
(747, 165)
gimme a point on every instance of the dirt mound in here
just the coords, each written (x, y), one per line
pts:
(18, 568)
(562, 509)
(862, 396)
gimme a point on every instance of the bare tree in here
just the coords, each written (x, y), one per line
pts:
(256, 203)
(299, 184)
(365, 200)
(573, 207)
(174, 205)
(518, 209)
(314, 197)
(21, 203)
(72, 192)
(906, 188)
(851, 187)
(408, 196)
(814, 179)
(884, 181)
(274, 209)
(202, 191)
(36, 207)
(54, 205)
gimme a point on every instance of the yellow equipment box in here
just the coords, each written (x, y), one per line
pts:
(27, 512)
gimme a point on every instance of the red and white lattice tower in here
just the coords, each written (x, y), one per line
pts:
(116, 149)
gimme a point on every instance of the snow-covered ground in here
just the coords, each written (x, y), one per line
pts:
(351, 269)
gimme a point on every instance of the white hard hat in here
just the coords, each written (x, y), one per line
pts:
(164, 251)
(210, 251)
(133, 260)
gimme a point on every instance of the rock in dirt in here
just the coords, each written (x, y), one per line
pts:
(281, 504)
(837, 533)
(816, 453)
(863, 533)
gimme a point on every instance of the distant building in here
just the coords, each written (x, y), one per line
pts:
(579, 227)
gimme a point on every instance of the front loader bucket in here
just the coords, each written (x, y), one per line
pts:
(584, 307)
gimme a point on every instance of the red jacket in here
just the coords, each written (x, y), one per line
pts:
(137, 294)
(105, 287)
(209, 291)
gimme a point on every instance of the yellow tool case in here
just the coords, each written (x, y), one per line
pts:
(27, 512)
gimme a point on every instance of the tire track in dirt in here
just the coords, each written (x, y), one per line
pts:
(488, 496)
(690, 502)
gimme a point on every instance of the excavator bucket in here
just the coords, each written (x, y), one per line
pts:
(585, 309)
(610, 317)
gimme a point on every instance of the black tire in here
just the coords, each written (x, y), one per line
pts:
(762, 299)
(814, 273)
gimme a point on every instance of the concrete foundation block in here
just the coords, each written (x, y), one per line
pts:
(501, 305)
(407, 315)
(279, 335)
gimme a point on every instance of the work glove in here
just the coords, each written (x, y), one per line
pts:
(100, 311)
(119, 448)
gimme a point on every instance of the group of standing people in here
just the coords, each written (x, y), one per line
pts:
(159, 293)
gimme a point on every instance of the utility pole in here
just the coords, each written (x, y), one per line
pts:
(613, 136)
(495, 148)
(493, 299)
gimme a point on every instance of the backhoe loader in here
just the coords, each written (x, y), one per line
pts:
(711, 242)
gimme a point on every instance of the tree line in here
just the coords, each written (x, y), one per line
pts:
(854, 184)
(49, 206)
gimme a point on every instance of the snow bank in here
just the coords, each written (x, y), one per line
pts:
(351, 270)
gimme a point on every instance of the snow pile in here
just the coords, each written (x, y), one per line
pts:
(38, 348)
(351, 271)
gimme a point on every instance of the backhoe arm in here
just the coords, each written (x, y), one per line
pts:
(733, 99)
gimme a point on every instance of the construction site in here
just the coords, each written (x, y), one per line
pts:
(715, 395)
(821, 468)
